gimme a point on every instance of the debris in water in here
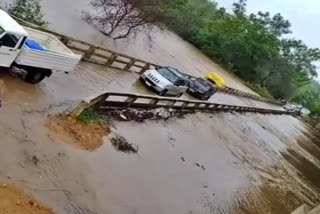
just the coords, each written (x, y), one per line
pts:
(121, 144)
(35, 160)
(203, 167)
(141, 115)
(198, 164)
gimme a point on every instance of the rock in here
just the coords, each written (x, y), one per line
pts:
(203, 167)
(205, 186)
(18, 203)
(31, 202)
(182, 158)
(318, 126)
(4, 185)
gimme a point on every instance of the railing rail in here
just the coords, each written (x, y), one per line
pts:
(233, 91)
(127, 100)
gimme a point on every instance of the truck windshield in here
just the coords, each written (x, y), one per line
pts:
(168, 74)
(1, 31)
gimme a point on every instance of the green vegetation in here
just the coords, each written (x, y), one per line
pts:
(29, 11)
(121, 144)
(89, 116)
(256, 47)
(263, 92)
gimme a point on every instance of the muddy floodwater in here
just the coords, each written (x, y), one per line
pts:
(200, 164)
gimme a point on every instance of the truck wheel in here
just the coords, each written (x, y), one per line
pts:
(35, 77)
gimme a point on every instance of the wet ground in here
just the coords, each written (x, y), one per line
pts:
(203, 163)
(222, 163)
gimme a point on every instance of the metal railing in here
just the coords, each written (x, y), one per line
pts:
(126, 100)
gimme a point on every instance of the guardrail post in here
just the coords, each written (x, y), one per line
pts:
(171, 103)
(86, 105)
(207, 106)
(130, 64)
(112, 58)
(154, 102)
(196, 106)
(146, 67)
(131, 100)
(185, 104)
(88, 54)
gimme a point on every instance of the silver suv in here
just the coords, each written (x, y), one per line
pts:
(166, 81)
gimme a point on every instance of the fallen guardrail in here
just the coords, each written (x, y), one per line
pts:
(127, 100)
(106, 57)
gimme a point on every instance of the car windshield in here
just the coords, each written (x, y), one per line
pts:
(202, 85)
(168, 74)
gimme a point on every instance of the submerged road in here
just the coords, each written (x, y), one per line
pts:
(249, 163)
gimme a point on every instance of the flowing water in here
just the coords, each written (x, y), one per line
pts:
(203, 163)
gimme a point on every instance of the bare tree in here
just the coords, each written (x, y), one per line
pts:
(120, 18)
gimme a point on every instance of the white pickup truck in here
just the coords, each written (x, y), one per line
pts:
(32, 54)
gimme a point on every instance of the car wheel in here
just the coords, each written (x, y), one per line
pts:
(164, 92)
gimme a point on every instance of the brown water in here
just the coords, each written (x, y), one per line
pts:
(251, 163)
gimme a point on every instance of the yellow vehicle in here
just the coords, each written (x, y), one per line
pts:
(216, 79)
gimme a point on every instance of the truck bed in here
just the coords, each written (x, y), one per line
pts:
(56, 56)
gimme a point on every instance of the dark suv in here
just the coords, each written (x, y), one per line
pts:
(201, 89)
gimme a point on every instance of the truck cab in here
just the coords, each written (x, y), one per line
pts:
(12, 38)
(32, 54)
